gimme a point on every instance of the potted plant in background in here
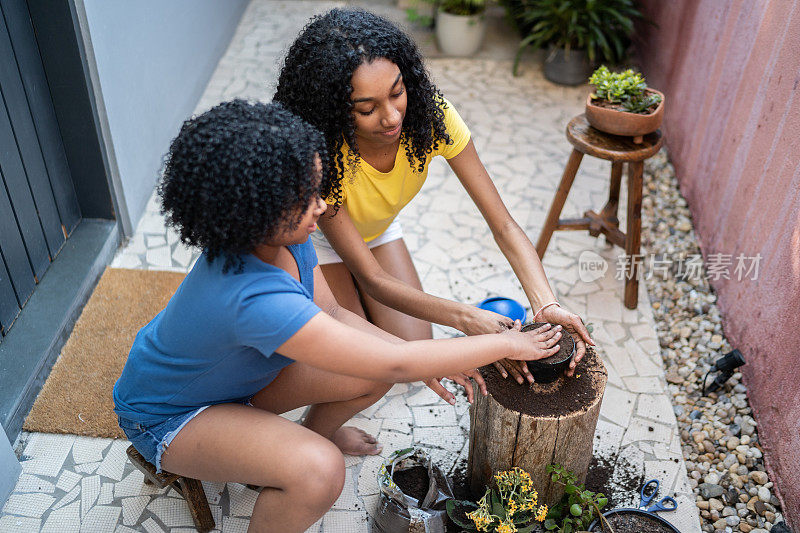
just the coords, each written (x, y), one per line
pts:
(460, 24)
(623, 104)
(576, 32)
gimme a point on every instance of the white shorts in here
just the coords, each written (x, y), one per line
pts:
(327, 255)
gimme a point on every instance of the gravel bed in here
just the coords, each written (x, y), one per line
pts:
(719, 435)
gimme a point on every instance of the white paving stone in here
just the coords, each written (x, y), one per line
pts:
(617, 405)
(31, 504)
(113, 464)
(394, 408)
(68, 497)
(101, 519)
(172, 512)
(151, 526)
(67, 480)
(67, 518)
(45, 454)
(90, 491)
(131, 485)
(346, 522)
(29, 483)
(19, 524)
(132, 509)
(231, 524)
(242, 499)
(434, 415)
(348, 499)
(646, 430)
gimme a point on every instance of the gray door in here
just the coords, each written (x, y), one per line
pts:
(38, 206)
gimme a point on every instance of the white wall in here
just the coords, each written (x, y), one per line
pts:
(153, 59)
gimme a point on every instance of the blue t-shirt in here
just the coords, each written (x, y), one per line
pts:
(215, 341)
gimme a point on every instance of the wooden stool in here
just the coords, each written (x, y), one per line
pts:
(190, 489)
(587, 140)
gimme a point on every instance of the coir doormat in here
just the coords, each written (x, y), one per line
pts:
(76, 397)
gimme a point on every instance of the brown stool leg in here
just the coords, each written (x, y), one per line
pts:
(609, 211)
(192, 492)
(633, 233)
(551, 222)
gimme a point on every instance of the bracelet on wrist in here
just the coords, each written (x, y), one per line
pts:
(542, 308)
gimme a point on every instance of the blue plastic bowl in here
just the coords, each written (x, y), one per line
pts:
(504, 306)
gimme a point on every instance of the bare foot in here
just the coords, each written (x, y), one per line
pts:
(354, 441)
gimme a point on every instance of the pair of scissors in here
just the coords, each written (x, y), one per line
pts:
(665, 504)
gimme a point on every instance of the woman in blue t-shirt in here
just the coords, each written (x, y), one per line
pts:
(254, 331)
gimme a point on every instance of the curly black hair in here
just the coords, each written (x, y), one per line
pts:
(315, 83)
(238, 175)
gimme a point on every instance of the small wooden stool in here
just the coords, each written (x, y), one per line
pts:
(587, 140)
(190, 489)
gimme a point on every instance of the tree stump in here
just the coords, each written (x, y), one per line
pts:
(534, 426)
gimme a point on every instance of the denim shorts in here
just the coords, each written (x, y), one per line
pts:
(151, 440)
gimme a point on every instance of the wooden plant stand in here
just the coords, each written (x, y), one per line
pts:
(501, 438)
(619, 150)
(190, 489)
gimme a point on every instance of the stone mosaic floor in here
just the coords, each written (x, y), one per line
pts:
(82, 484)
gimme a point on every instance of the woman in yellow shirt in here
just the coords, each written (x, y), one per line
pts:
(361, 81)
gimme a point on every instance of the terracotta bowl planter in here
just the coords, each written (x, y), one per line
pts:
(624, 123)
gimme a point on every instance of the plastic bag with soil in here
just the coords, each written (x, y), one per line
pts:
(422, 507)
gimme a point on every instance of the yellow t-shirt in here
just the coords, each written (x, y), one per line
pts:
(373, 198)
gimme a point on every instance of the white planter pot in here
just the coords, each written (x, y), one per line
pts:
(459, 35)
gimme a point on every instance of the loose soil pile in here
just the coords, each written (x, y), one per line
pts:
(617, 488)
(414, 481)
(561, 397)
(635, 523)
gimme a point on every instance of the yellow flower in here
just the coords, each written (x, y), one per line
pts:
(506, 528)
(542, 513)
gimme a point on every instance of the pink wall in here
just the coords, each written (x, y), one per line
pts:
(730, 71)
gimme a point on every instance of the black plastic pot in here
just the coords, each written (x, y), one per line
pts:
(567, 68)
(595, 526)
(547, 372)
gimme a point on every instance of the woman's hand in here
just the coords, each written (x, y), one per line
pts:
(573, 324)
(480, 321)
(538, 343)
(463, 379)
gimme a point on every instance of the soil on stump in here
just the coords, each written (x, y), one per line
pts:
(564, 396)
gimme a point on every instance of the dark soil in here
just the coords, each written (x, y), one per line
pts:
(414, 481)
(561, 397)
(451, 526)
(634, 523)
(566, 347)
(627, 482)
(602, 102)
(461, 491)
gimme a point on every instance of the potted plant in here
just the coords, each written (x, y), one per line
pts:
(512, 505)
(623, 104)
(460, 24)
(577, 33)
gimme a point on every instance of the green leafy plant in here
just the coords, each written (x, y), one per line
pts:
(511, 506)
(577, 508)
(627, 88)
(600, 27)
(454, 7)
